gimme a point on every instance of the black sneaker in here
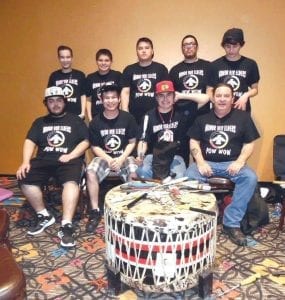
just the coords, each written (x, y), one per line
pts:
(66, 235)
(41, 224)
(235, 235)
(93, 221)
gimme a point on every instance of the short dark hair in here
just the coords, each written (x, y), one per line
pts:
(63, 47)
(189, 36)
(110, 88)
(221, 84)
(106, 52)
(145, 40)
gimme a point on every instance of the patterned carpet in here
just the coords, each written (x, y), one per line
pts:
(56, 273)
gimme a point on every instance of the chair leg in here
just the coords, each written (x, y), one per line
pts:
(282, 217)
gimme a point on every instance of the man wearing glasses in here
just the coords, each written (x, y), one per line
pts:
(190, 78)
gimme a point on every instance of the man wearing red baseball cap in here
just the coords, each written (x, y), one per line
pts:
(162, 136)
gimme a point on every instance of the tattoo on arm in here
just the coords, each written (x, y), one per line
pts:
(194, 151)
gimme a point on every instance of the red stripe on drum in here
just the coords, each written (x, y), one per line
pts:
(163, 246)
(180, 263)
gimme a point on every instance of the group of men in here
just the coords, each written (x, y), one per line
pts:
(140, 125)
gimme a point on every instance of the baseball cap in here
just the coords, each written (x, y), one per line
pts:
(233, 36)
(54, 91)
(164, 86)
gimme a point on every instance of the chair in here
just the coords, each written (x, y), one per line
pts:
(12, 278)
(52, 194)
(222, 188)
(279, 170)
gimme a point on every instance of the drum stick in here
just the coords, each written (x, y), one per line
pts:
(246, 281)
(143, 195)
(146, 180)
(136, 200)
(145, 123)
(203, 211)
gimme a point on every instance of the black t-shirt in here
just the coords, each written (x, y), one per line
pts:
(168, 127)
(240, 74)
(55, 136)
(112, 135)
(94, 82)
(73, 85)
(221, 139)
(142, 81)
(191, 78)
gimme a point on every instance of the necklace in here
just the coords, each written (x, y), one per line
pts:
(162, 119)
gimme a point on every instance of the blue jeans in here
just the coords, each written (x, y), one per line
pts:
(177, 166)
(245, 184)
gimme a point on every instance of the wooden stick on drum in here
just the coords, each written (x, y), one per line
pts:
(203, 211)
(136, 200)
(143, 195)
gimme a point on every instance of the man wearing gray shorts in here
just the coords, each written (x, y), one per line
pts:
(112, 136)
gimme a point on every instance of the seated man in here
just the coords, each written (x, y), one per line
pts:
(61, 139)
(221, 141)
(162, 136)
(113, 139)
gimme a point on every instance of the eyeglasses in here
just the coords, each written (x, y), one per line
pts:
(189, 45)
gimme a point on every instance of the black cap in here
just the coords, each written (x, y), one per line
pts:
(233, 36)
(110, 88)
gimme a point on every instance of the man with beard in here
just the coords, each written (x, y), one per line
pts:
(190, 79)
(139, 79)
(61, 139)
(71, 81)
(221, 142)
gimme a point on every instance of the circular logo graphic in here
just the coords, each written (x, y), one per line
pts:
(112, 142)
(165, 135)
(55, 138)
(190, 82)
(233, 81)
(67, 90)
(144, 85)
(219, 139)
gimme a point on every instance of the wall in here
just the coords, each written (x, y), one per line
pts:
(31, 30)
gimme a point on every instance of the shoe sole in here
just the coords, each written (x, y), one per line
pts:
(49, 223)
(68, 245)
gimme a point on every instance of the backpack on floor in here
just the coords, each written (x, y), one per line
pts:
(279, 156)
(256, 214)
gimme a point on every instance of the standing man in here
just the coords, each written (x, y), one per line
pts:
(162, 135)
(191, 77)
(61, 139)
(71, 81)
(103, 76)
(239, 71)
(113, 138)
(139, 79)
(221, 143)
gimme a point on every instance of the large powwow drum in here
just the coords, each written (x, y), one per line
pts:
(159, 244)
